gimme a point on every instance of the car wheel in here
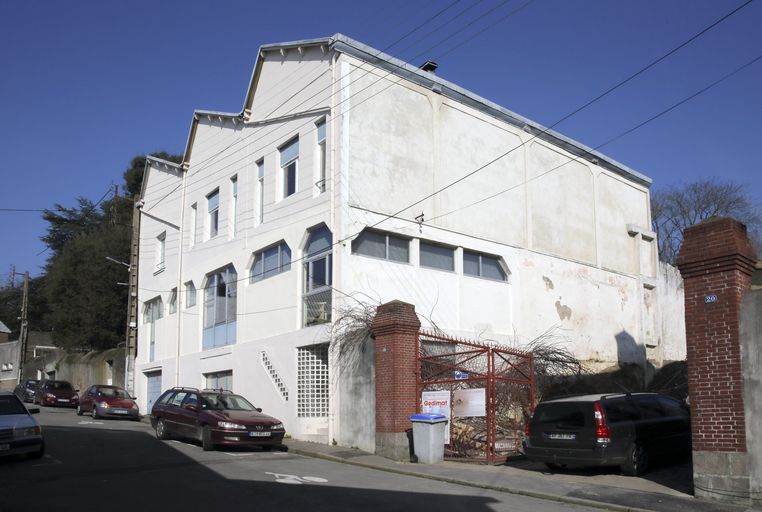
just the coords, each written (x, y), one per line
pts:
(554, 467)
(161, 430)
(206, 438)
(79, 411)
(94, 412)
(637, 460)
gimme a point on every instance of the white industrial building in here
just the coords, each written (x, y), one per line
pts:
(337, 184)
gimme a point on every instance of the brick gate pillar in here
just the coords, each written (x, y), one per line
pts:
(395, 328)
(716, 261)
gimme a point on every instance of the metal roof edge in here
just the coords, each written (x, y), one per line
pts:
(344, 44)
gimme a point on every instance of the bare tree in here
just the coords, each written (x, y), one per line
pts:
(676, 208)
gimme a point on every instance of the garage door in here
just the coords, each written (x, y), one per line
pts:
(153, 388)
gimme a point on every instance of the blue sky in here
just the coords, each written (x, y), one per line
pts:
(87, 85)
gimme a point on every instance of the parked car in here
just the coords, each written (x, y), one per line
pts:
(56, 392)
(103, 401)
(19, 432)
(623, 430)
(215, 418)
(25, 389)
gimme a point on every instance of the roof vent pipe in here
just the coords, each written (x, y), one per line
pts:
(429, 66)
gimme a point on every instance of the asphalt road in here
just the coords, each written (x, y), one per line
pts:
(120, 465)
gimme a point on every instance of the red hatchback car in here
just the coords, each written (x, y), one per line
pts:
(56, 392)
(103, 401)
(216, 418)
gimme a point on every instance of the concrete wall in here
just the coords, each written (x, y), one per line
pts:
(9, 363)
(751, 354)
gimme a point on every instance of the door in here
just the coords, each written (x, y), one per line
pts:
(153, 389)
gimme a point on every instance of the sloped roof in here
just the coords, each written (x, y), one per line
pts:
(343, 44)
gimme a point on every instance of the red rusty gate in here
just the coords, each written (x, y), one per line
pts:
(491, 391)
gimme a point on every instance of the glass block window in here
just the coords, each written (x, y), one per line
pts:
(219, 380)
(312, 381)
(437, 256)
(382, 245)
(483, 265)
(274, 375)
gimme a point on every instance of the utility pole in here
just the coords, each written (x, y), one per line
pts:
(131, 347)
(24, 331)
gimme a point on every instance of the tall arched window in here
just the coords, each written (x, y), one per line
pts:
(220, 308)
(318, 277)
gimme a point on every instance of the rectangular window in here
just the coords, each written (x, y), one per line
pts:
(437, 256)
(320, 128)
(219, 380)
(483, 265)
(312, 381)
(193, 223)
(160, 251)
(152, 311)
(213, 209)
(261, 191)
(382, 245)
(233, 204)
(190, 294)
(289, 157)
(220, 299)
(270, 262)
(173, 301)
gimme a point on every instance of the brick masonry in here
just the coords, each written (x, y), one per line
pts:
(395, 328)
(716, 261)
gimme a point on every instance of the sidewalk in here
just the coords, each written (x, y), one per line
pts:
(607, 491)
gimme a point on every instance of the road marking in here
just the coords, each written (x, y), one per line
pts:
(85, 422)
(297, 480)
(49, 461)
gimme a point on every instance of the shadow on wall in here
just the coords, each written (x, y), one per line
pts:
(632, 373)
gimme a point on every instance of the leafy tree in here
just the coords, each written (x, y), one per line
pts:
(85, 306)
(37, 312)
(674, 209)
(133, 176)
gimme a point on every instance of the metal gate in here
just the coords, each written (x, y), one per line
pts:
(491, 393)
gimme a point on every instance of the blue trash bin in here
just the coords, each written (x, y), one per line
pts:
(428, 437)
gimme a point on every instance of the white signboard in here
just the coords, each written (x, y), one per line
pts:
(437, 402)
(469, 402)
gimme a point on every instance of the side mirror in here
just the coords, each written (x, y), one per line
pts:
(259, 409)
(34, 410)
(191, 407)
(133, 398)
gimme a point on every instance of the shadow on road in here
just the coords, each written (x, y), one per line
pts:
(674, 474)
(131, 470)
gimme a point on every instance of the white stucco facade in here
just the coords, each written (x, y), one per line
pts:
(567, 226)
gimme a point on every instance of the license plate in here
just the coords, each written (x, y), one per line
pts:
(119, 411)
(565, 437)
(64, 400)
(259, 434)
(4, 447)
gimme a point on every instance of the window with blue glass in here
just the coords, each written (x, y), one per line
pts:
(318, 277)
(220, 308)
(271, 261)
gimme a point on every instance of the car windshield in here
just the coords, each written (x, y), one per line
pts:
(226, 402)
(113, 392)
(11, 405)
(59, 385)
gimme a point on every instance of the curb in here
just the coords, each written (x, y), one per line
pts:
(510, 490)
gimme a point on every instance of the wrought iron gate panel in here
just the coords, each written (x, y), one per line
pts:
(505, 374)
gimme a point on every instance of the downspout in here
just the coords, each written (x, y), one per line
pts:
(179, 311)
